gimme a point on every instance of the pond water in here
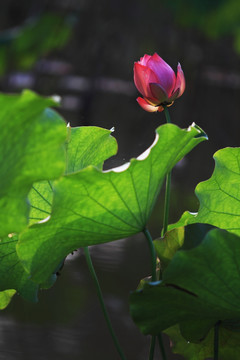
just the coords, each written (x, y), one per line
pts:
(67, 322)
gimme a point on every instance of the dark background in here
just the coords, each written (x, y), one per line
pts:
(84, 51)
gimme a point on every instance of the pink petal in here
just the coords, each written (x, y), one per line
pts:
(146, 106)
(174, 96)
(164, 72)
(144, 59)
(180, 81)
(142, 77)
(158, 93)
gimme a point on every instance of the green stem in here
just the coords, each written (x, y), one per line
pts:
(152, 252)
(152, 347)
(100, 296)
(167, 116)
(154, 278)
(216, 340)
(166, 203)
(168, 186)
(163, 352)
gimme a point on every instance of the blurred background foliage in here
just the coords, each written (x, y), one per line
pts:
(21, 47)
(215, 18)
(84, 50)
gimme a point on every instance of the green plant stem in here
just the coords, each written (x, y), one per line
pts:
(168, 186)
(163, 352)
(152, 347)
(216, 340)
(152, 250)
(166, 203)
(152, 253)
(100, 296)
(167, 116)
(154, 278)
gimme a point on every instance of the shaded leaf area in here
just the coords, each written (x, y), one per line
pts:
(6, 297)
(32, 148)
(85, 145)
(200, 287)
(194, 235)
(219, 196)
(21, 47)
(93, 206)
(229, 345)
(183, 238)
(167, 246)
(13, 275)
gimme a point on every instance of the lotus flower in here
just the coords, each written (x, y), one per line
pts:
(157, 83)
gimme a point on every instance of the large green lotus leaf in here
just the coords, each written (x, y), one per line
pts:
(200, 287)
(32, 148)
(93, 206)
(85, 145)
(13, 275)
(229, 345)
(220, 195)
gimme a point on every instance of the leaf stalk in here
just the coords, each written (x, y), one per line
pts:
(100, 296)
(168, 186)
(152, 253)
(154, 278)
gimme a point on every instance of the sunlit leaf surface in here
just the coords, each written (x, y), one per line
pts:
(5, 297)
(93, 206)
(31, 148)
(220, 195)
(89, 145)
(85, 145)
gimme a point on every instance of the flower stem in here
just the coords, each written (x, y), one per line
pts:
(168, 186)
(216, 340)
(167, 116)
(154, 278)
(100, 296)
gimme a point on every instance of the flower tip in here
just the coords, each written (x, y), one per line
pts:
(179, 66)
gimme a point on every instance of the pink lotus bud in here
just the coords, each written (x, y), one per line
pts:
(157, 83)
